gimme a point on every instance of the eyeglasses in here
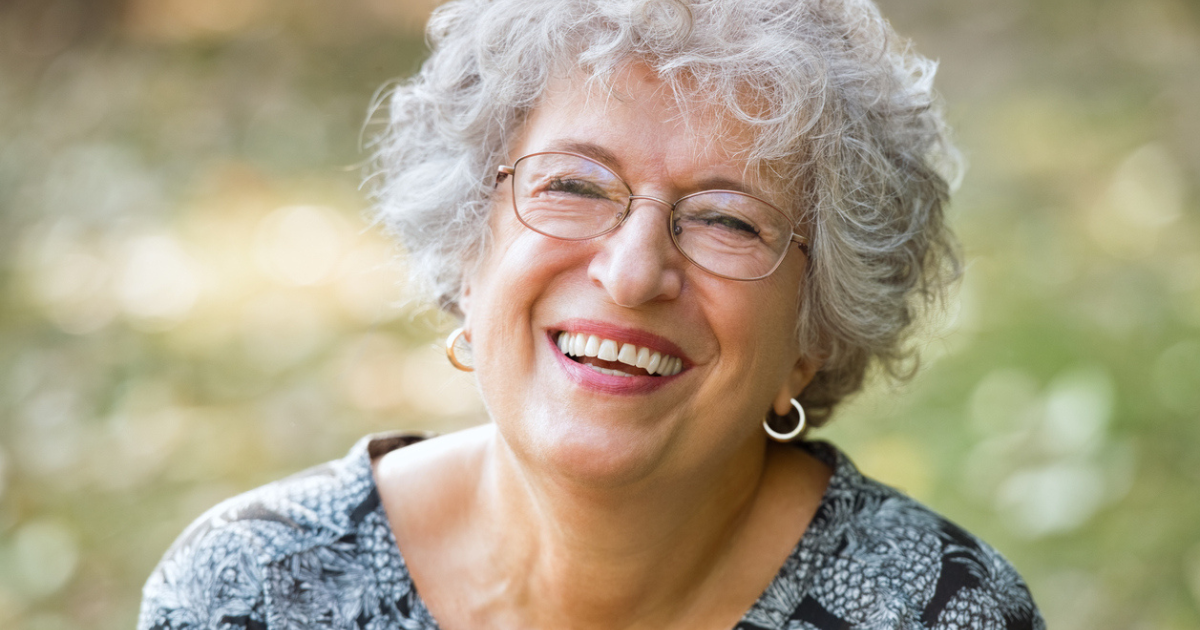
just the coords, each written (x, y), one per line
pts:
(727, 233)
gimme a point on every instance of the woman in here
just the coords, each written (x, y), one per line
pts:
(677, 234)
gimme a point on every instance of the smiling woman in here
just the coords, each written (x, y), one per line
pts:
(634, 285)
(677, 234)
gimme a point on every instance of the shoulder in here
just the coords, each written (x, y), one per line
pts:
(881, 559)
(438, 475)
(215, 574)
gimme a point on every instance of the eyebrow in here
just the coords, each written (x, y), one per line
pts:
(724, 183)
(594, 151)
(604, 156)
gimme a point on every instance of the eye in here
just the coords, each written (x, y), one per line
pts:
(576, 186)
(725, 221)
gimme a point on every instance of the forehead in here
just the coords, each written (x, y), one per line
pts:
(636, 123)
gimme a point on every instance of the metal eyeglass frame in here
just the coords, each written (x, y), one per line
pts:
(503, 172)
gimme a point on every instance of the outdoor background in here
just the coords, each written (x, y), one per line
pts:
(192, 302)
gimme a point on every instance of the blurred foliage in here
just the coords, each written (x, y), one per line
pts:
(193, 302)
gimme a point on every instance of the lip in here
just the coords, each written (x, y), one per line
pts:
(605, 383)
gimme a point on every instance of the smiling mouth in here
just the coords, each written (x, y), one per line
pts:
(614, 358)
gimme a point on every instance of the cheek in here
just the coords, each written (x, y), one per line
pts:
(785, 295)
(498, 273)
(766, 330)
(521, 273)
(773, 307)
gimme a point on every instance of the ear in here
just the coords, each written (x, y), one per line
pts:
(463, 303)
(800, 376)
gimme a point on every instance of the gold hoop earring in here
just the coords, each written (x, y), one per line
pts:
(790, 435)
(451, 345)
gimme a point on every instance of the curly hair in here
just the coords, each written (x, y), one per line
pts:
(844, 115)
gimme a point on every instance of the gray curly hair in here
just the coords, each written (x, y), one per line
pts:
(845, 118)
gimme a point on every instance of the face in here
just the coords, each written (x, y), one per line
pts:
(727, 348)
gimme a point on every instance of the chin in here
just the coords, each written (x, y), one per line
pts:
(601, 454)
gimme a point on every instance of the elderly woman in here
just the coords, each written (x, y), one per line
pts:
(677, 234)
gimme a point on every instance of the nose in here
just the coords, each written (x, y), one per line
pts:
(638, 263)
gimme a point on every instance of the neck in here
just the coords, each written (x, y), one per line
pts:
(588, 556)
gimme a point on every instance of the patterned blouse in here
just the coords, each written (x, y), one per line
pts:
(315, 551)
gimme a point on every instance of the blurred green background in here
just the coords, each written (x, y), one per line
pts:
(192, 302)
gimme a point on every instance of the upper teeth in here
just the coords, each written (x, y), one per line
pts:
(585, 345)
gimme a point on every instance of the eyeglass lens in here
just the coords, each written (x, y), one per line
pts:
(727, 233)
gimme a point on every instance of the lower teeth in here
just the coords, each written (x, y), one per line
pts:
(607, 371)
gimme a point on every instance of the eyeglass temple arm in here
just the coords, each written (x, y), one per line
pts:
(801, 241)
(502, 172)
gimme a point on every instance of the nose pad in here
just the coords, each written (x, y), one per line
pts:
(639, 262)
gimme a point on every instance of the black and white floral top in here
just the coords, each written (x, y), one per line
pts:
(315, 551)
